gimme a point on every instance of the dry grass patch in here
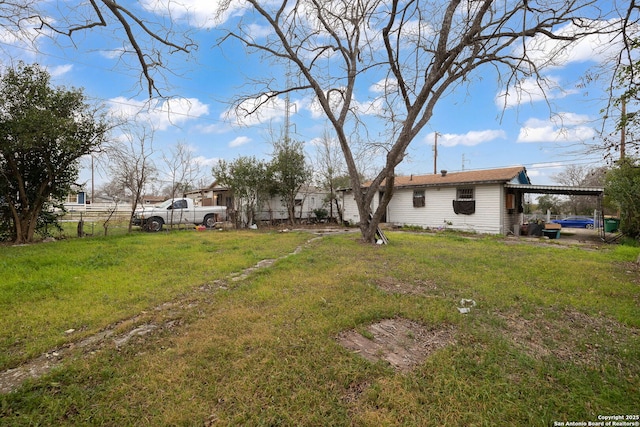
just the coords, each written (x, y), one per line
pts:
(401, 342)
(394, 286)
(570, 336)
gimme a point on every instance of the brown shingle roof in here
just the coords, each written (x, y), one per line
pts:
(452, 178)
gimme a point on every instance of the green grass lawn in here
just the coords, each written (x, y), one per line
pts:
(86, 284)
(553, 337)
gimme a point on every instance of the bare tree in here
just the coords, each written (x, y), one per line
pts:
(581, 176)
(289, 172)
(131, 165)
(110, 213)
(181, 171)
(149, 43)
(112, 190)
(417, 51)
(619, 134)
(330, 170)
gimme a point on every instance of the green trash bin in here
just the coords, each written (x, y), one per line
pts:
(611, 225)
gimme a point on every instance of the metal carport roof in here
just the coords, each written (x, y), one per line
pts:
(557, 189)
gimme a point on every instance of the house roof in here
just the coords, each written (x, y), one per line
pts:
(516, 174)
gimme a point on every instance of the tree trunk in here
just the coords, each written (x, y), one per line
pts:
(368, 231)
(19, 238)
(25, 229)
(24, 224)
(291, 208)
(369, 221)
(340, 218)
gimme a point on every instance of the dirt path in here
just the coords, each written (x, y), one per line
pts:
(119, 334)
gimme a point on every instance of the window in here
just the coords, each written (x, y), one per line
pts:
(298, 202)
(464, 194)
(418, 198)
(180, 204)
(465, 203)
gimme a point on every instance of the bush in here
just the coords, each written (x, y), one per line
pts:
(321, 214)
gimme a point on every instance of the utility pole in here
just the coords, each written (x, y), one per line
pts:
(623, 131)
(92, 181)
(435, 154)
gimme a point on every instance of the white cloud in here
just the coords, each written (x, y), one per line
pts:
(384, 86)
(241, 140)
(161, 114)
(566, 127)
(204, 161)
(548, 165)
(114, 53)
(59, 70)
(531, 90)
(197, 13)
(570, 119)
(215, 129)
(371, 107)
(259, 31)
(468, 139)
(533, 173)
(29, 30)
(546, 52)
(540, 173)
(262, 109)
(335, 101)
(553, 54)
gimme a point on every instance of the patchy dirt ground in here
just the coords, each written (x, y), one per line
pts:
(568, 335)
(401, 342)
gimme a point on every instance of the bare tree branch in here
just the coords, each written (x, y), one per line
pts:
(22, 16)
(424, 49)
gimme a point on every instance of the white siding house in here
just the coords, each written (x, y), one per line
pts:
(476, 201)
(307, 200)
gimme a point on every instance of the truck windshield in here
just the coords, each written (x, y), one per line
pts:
(177, 204)
(165, 204)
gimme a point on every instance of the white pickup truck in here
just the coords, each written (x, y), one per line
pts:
(178, 211)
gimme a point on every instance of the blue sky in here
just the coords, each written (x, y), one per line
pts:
(477, 126)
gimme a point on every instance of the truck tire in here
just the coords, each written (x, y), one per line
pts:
(154, 224)
(209, 221)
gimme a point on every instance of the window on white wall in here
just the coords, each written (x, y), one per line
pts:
(464, 194)
(464, 203)
(418, 199)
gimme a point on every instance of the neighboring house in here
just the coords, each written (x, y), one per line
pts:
(213, 195)
(75, 200)
(307, 200)
(80, 201)
(478, 201)
(151, 200)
